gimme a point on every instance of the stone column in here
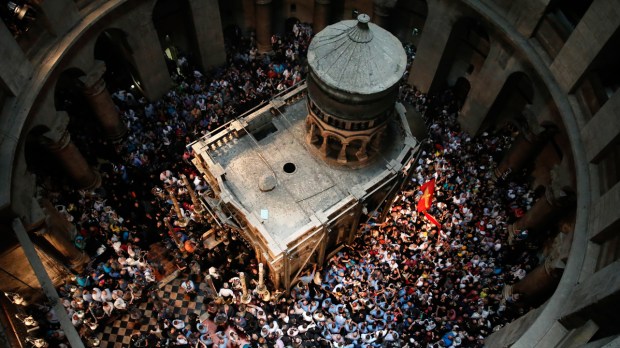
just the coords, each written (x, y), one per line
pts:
(538, 214)
(323, 246)
(59, 232)
(485, 88)
(147, 57)
(425, 71)
(557, 197)
(539, 282)
(245, 296)
(528, 144)
(361, 154)
(342, 155)
(198, 209)
(211, 291)
(101, 102)
(323, 149)
(182, 221)
(320, 18)
(263, 26)
(381, 13)
(249, 14)
(15, 69)
(71, 159)
(173, 234)
(376, 141)
(209, 34)
(311, 137)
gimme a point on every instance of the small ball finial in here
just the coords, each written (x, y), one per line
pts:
(363, 18)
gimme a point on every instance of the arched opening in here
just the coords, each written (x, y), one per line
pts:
(317, 140)
(69, 97)
(333, 146)
(337, 11)
(112, 48)
(228, 15)
(409, 17)
(69, 92)
(289, 23)
(467, 48)
(38, 160)
(175, 28)
(233, 36)
(353, 151)
(314, 134)
(461, 90)
(517, 92)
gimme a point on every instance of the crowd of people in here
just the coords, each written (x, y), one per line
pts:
(403, 282)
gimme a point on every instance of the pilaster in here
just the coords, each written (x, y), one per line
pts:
(15, 69)
(209, 34)
(320, 17)
(263, 25)
(72, 161)
(101, 102)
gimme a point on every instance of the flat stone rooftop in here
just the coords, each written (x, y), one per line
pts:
(300, 196)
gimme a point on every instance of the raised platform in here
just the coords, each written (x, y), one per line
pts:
(312, 186)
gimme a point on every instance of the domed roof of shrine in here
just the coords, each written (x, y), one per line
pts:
(357, 56)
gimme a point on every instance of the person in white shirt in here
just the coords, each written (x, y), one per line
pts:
(120, 304)
(106, 295)
(96, 295)
(227, 293)
(189, 287)
(108, 307)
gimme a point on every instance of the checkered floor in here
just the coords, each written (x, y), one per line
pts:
(118, 333)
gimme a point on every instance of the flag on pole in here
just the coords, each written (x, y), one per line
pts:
(428, 190)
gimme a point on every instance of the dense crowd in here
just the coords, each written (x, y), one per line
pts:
(403, 282)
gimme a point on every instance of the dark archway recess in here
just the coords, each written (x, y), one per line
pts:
(69, 92)
(83, 126)
(467, 49)
(113, 49)
(461, 90)
(289, 23)
(175, 28)
(517, 92)
(38, 160)
(409, 18)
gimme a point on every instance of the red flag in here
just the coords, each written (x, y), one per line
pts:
(432, 220)
(428, 190)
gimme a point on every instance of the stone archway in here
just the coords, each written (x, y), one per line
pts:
(175, 29)
(465, 52)
(461, 90)
(409, 17)
(38, 160)
(112, 48)
(516, 93)
(331, 145)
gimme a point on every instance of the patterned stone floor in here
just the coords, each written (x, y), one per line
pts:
(118, 333)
